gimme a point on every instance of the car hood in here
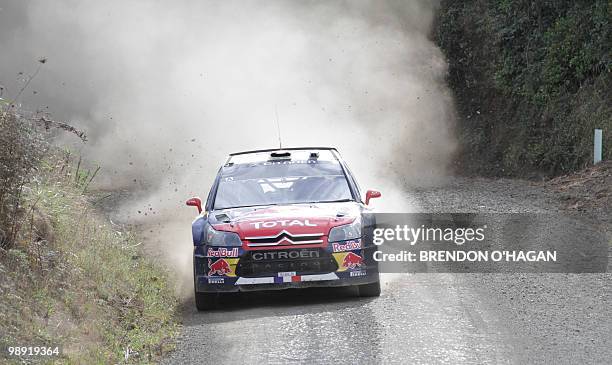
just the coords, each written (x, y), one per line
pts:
(291, 220)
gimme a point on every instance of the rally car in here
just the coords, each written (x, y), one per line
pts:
(283, 218)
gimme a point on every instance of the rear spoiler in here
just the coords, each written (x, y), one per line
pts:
(283, 149)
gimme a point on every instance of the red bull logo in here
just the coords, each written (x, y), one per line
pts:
(219, 267)
(347, 246)
(352, 261)
(222, 252)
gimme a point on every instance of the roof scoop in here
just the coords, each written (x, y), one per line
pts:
(280, 155)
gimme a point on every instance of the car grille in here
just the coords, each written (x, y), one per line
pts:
(286, 238)
(301, 261)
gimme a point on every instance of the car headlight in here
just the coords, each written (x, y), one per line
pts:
(346, 232)
(221, 238)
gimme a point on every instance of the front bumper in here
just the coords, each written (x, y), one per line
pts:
(232, 270)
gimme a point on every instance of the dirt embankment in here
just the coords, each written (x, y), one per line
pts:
(586, 190)
(587, 193)
(76, 280)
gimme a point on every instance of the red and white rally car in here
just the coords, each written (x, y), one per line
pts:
(277, 219)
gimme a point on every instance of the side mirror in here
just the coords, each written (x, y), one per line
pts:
(195, 202)
(371, 194)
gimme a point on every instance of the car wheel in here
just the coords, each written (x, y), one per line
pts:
(369, 290)
(206, 301)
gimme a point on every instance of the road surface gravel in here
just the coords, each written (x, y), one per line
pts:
(440, 318)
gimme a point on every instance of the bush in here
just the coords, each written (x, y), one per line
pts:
(24, 142)
(532, 80)
(21, 148)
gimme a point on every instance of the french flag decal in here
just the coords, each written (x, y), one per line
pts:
(286, 279)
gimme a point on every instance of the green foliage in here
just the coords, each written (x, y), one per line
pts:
(21, 148)
(532, 80)
(24, 143)
(82, 283)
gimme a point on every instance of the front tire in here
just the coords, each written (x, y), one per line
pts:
(369, 290)
(206, 301)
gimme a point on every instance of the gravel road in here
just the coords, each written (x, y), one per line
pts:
(420, 318)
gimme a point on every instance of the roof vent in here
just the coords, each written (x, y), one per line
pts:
(281, 154)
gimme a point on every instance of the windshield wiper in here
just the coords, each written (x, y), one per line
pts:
(247, 206)
(330, 201)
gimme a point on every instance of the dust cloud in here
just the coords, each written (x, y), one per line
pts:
(167, 89)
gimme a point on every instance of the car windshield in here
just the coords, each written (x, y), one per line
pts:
(281, 182)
